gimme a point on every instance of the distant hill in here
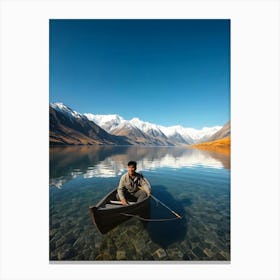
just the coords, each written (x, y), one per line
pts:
(220, 146)
(222, 133)
(139, 137)
(72, 128)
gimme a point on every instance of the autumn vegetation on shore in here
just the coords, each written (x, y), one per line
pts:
(219, 146)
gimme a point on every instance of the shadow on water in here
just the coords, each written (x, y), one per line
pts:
(166, 232)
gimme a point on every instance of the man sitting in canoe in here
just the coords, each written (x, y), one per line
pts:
(133, 185)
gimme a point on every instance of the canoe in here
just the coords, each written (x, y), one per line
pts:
(108, 213)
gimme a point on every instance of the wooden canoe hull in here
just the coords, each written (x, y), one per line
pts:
(106, 219)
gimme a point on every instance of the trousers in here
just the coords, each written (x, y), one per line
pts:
(138, 196)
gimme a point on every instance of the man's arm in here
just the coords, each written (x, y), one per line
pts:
(145, 185)
(120, 191)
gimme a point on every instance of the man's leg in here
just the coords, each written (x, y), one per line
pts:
(140, 195)
(127, 196)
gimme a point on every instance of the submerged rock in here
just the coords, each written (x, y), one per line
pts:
(225, 255)
(87, 252)
(189, 256)
(160, 254)
(78, 243)
(175, 254)
(66, 254)
(70, 237)
(198, 252)
(139, 245)
(121, 255)
(61, 241)
(103, 257)
(208, 253)
(152, 247)
(219, 257)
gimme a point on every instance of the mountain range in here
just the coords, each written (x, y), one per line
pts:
(222, 133)
(69, 127)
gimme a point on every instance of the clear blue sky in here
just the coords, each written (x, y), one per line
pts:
(166, 72)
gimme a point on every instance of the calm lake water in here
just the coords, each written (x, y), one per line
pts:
(194, 183)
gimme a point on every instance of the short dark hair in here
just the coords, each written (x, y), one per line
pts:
(132, 163)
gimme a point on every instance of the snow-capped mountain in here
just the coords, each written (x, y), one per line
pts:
(136, 131)
(190, 134)
(107, 122)
(149, 128)
(58, 106)
(179, 134)
(68, 127)
(222, 133)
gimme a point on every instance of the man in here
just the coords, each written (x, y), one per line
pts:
(133, 185)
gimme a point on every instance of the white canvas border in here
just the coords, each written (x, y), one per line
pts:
(255, 138)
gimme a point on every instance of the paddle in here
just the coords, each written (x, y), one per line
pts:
(119, 202)
(157, 200)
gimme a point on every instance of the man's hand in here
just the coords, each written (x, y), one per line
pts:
(123, 201)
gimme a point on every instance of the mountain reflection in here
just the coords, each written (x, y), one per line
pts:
(67, 163)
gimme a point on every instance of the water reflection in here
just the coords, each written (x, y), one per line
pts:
(67, 163)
